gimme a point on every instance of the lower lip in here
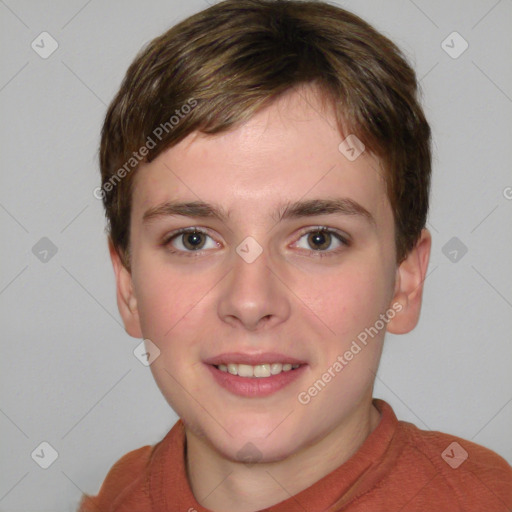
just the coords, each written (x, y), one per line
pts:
(255, 386)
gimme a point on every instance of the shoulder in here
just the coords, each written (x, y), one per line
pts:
(121, 477)
(474, 475)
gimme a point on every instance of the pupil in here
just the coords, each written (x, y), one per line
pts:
(320, 239)
(193, 240)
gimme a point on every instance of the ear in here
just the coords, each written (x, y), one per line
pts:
(410, 276)
(126, 300)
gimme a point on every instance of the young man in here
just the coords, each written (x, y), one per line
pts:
(265, 173)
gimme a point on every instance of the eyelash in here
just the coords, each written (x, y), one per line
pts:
(166, 242)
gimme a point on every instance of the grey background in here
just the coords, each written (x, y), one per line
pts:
(68, 373)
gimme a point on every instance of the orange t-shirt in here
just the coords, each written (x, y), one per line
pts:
(398, 468)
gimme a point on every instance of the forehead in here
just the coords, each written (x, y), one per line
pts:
(288, 151)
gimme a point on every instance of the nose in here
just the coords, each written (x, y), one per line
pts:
(254, 296)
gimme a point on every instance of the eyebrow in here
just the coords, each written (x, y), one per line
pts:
(294, 210)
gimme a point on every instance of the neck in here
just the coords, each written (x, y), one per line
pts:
(221, 484)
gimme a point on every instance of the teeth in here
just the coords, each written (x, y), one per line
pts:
(276, 368)
(244, 370)
(258, 371)
(261, 370)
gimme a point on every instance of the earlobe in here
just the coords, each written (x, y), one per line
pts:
(409, 286)
(126, 299)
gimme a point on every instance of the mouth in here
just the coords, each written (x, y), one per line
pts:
(258, 371)
(255, 375)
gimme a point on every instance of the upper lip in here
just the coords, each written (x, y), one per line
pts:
(252, 359)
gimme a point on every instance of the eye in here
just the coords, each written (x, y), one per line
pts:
(322, 239)
(189, 240)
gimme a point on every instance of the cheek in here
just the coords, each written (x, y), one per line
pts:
(350, 299)
(168, 306)
(158, 307)
(164, 298)
(174, 311)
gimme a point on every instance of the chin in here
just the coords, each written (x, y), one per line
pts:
(257, 452)
(251, 446)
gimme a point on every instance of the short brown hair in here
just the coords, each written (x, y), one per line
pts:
(236, 57)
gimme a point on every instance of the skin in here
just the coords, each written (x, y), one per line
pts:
(288, 300)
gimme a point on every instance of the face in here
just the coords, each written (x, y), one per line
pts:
(288, 259)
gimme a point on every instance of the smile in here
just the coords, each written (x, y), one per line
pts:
(258, 371)
(256, 381)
